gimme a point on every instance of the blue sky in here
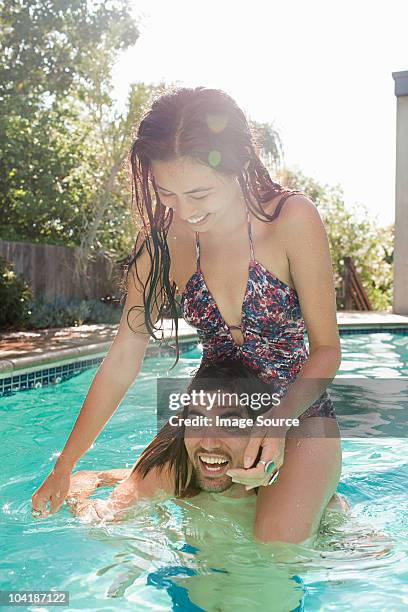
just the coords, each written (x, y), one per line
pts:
(319, 71)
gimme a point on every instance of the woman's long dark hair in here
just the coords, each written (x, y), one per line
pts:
(193, 123)
(167, 449)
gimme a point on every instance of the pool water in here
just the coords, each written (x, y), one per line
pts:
(198, 554)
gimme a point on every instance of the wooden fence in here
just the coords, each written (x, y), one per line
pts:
(49, 270)
(354, 293)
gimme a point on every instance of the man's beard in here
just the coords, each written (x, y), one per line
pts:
(211, 485)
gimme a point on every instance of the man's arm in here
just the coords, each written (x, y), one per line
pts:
(130, 487)
(85, 482)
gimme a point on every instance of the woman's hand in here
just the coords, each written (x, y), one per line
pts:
(52, 491)
(273, 449)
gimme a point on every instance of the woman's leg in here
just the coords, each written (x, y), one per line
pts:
(290, 510)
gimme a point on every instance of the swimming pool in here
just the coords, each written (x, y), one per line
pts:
(199, 555)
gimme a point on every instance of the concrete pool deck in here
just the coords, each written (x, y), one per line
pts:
(33, 348)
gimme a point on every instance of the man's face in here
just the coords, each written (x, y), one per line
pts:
(214, 450)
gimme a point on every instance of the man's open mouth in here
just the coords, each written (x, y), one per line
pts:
(212, 465)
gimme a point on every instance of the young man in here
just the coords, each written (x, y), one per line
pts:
(197, 450)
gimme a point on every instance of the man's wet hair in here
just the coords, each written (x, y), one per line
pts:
(168, 450)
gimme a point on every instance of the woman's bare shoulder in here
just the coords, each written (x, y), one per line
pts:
(296, 211)
(292, 201)
(297, 206)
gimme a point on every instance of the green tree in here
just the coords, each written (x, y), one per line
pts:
(54, 55)
(58, 47)
(351, 233)
(269, 145)
(109, 230)
(45, 191)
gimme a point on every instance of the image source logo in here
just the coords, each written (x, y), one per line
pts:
(363, 407)
(208, 405)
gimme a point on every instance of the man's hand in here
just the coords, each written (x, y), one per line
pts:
(86, 482)
(83, 484)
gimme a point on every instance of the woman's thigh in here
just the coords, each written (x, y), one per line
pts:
(290, 510)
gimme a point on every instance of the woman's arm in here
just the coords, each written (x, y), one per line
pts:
(308, 252)
(307, 248)
(113, 378)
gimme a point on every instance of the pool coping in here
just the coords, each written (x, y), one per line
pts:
(33, 362)
(348, 322)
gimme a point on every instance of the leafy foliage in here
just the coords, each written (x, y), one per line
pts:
(62, 313)
(269, 144)
(352, 233)
(45, 188)
(60, 47)
(56, 58)
(14, 296)
(63, 143)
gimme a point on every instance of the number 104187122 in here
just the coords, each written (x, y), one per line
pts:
(26, 598)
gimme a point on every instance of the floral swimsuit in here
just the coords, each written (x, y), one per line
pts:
(272, 326)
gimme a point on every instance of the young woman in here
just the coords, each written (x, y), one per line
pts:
(250, 263)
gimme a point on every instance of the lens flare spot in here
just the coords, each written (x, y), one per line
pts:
(214, 158)
(217, 122)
